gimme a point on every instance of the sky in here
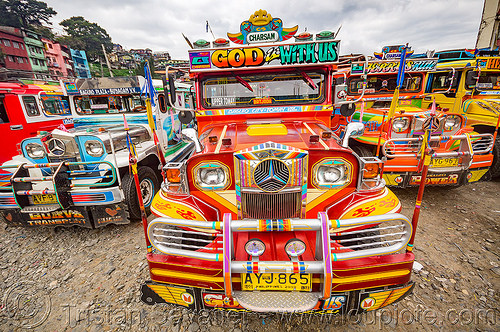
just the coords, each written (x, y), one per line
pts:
(367, 26)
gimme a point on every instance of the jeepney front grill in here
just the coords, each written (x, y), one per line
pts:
(262, 205)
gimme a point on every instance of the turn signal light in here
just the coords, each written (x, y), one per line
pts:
(371, 171)
(173, 175)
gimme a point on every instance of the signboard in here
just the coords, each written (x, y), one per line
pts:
(261, 27)
(264, 56)
(110, 85)
(392, 52)
(392, 66)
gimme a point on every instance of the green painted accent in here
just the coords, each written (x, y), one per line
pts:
(410, 245)
(370, 140)
(174, 148)
(334, 257)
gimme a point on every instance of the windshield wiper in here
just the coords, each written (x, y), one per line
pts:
(308, 80)
(243, 82)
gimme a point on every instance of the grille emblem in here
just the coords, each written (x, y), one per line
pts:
(271, 175)
(56, 147)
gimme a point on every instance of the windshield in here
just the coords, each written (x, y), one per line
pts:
(258, 89)
(487, 80)
(441, 82)
(384, 84)
(86, 105)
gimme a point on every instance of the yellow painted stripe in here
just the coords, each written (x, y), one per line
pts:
(219, 143)
(222, 200)
(314, 133)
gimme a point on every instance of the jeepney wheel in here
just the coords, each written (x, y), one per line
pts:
(495, 166)
(363, 151)
(149, 185)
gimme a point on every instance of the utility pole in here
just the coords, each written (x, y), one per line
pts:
(107, 60)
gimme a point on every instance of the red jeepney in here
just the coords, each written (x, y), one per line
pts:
(273, 212)
(26, 109)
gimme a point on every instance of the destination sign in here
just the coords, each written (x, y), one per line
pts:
(264, 56)
(393, 66)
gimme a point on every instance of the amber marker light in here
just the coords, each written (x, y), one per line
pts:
(174, 175)
(371, 171)
(213, 139)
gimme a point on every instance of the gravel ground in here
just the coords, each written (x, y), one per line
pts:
(64, 279)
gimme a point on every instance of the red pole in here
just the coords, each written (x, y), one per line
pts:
(420, 195)
(133, 170)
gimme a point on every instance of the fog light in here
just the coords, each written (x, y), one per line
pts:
(295, 247)
(255, 247)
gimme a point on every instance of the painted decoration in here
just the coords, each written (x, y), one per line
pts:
(392, 52)
(261, 27)
(375, 67)
(324, 52)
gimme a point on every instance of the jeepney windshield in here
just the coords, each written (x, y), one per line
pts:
(383, 84)
(235, 90)
(441, 82)
(488, 80)
(55, 105)
(88, 105)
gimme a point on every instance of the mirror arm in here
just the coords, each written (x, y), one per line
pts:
(365, 78)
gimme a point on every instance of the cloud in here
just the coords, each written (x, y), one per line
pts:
(366, 25)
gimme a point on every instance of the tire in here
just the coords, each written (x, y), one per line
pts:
(149, 186)
(363, 151)
(495, 166)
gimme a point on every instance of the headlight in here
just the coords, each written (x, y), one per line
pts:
(212, 176)
(451, 122)
(331, 173)
(94, 148)
(400, 124)
(255, 247)
(295, 247)
(35, 150)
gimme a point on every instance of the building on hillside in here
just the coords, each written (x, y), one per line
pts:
(141, 54)
(14, 62)
(82, 69)
(59, 59)
(489, 29)
(36, 55)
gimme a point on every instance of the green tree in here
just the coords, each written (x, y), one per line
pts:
(25, 13)
(82, 34)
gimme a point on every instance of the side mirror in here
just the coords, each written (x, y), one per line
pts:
(353, 129)
(471, 79)
(185, 117)
(169, 88)
(347, 109)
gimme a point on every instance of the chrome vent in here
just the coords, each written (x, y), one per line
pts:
(271, 205)
(271, 175)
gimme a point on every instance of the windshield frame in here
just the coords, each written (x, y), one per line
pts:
(392, 77)
(116, 104)
(241, 81)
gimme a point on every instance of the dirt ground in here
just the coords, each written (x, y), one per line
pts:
(63, 279)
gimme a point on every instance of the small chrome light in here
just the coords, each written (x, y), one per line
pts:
(255, 247)
(35, 151)
(400, 124)
(451, 122)
(94, 148)
(295, 247)
(212, 176)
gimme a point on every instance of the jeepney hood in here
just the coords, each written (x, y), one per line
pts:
(236, 136)
(488, 108)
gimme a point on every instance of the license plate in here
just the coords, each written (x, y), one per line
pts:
(45, 199)
(276, 281)
(444, 162)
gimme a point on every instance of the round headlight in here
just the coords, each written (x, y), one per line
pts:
(451, 122)
(35, 151)
(330, 174)
(295, 247)
(255, 247)
(400, 124)
(212, 176)
(94, 148)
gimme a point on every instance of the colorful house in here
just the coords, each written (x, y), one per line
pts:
(14, 56)
(82, 69)
(36, 54)
(59, 59)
